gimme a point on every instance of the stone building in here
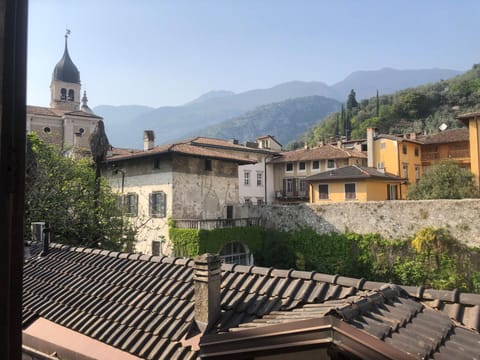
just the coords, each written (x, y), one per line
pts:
(186, 181)
(68, 122)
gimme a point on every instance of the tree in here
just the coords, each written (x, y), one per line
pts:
(445, 180)
(63, 192)
(351, 101)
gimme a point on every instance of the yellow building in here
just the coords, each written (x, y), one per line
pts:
(400, 156)
(472, 120)
(353, 183)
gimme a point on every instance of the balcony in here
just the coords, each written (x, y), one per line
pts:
(291, 195)
(210, 224)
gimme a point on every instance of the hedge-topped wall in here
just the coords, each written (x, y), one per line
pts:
(433, 258)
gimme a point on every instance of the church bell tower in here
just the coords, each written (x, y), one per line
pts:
(65, 85)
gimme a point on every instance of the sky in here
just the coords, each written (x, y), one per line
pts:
(166, 53)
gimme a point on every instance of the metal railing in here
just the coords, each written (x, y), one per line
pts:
(209, 224)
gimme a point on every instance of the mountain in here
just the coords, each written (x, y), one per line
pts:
(116, 118)
(285, 120)
(420, 109)
(387, 80)
(214, 94)
(125, 125)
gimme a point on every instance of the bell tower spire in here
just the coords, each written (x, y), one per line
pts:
(65, 85)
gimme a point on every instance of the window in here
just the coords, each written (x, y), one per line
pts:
(246, 178)
(130, 204)
(302, 186)
(158, 204)
(323, 191)
(383, 146)
(63, 94)
(289, 167)
(235, 253)
(248, 201)
(259, 178)
(229, 211)
(266, 144)
(46, 129)
(302, 166)
(392, 192)
(380, 165)
(351, 191)
(208, 164)
(71, 95)
(417, 173)
(156, 163)
(405, 170)
(417, 151)
(315, 165)
(156, 251)
(289, 185)
(330, 164)
(404, 149)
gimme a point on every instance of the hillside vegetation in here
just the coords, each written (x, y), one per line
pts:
(285, 120)
(419, 109)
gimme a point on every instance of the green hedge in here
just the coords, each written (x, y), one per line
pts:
(432, 258)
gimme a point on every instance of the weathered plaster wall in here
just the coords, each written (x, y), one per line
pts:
(391, 219)
(200, 193)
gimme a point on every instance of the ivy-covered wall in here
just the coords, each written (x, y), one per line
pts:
(433, 257)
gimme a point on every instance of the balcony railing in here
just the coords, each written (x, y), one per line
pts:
(209, 224)
(291, 194)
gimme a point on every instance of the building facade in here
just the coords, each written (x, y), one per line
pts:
(68, 122)
(184, 182)
(291, 169)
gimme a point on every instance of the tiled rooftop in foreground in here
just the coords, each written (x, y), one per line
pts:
(144, 306)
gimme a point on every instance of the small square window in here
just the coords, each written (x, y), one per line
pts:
(289, 167)
(156, 248)
(208, 164)
(316, 164)
(404, 149)
(156, 163)
(417, 151)
(302, 166)
(350, 191)
(330, 164)
(323, 191)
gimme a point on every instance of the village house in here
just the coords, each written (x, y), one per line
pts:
(81, 303)
(255, 181)
(190, 183)
(451, 144)
(291, 168)
(397, 155)
(353, 183)
(69, 121)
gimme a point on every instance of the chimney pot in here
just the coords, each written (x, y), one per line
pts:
(207, 280)
(148, 140)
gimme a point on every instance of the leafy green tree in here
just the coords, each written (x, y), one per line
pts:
(445, 180)
(64, 192)
(352, 101)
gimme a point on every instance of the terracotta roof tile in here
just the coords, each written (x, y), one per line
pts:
(319, 153)
(447, 136)
(353, 172)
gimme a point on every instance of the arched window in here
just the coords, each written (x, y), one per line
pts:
(63, 94)
(236, 253)
(71, 94)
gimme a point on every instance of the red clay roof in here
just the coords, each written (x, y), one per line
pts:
(211, 142)
(46, 111)
(447, 136)
(353, 172)
(188, 147)
(319, 153)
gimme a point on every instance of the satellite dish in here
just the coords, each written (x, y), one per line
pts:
(443, 127)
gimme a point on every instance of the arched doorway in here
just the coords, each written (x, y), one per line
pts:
(236, 252)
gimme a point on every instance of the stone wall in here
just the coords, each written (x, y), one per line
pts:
(391, 219)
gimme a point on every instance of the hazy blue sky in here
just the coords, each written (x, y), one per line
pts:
(157, 53)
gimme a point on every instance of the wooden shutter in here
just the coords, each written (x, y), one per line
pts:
(150, 204)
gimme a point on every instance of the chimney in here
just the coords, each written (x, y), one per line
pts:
(413, 136)
(371, 133)
(339, 144)
(148, 140)
(207, 278)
